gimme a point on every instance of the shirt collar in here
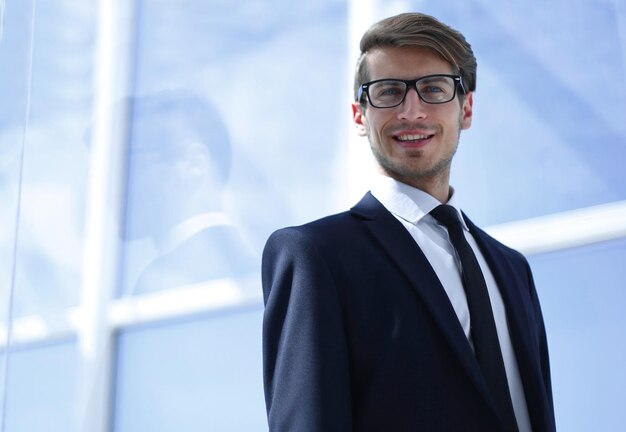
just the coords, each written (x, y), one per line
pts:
(192, 226)
(408, 202)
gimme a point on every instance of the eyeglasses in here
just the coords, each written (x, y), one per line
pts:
(432, 89)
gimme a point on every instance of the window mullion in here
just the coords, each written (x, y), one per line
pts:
(105, 209)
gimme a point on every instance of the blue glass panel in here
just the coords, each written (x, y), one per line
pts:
(224, 143)
(15, 41)
(43, 389)
(203, 374)
(548, 132)
(583, 293)
(50, 92)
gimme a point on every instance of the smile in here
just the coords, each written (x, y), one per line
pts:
(405, 138)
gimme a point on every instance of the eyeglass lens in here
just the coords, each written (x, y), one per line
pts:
(389, 93)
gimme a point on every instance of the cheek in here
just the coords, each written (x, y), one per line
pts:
(376, 126)
(461, 121)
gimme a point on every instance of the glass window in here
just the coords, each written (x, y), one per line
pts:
(236, 114)
(200, 374)
(15, 62)
(45, 111)
(238, 125)
(49, 249)
(583, 293)
(43, 389)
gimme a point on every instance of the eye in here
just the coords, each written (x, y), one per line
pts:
(432, 89)
(388, 90)
(436, 86)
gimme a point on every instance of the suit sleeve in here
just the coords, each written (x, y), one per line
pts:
(305, 355)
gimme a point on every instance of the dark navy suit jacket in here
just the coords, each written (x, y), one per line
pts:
(359, 334)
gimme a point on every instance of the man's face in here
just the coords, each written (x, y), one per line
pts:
(415, 141)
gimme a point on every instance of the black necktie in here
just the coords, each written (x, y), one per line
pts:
(483, 326)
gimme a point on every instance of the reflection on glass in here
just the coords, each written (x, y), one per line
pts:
(180, 158)
(276, 70)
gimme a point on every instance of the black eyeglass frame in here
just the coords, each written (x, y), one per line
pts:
(364, 89)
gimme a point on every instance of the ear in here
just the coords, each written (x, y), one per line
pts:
(358, 116)
(466, 111)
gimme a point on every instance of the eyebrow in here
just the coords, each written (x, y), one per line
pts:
(435, 78)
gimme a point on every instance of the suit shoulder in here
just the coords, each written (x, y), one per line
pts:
(498, 245)
(326, 228)
(504, 248)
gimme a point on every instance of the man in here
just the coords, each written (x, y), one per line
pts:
(380, 319)
(179, 165)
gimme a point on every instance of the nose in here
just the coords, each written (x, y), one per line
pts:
(413, 108)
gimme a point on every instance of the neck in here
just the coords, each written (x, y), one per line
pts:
(436, 186)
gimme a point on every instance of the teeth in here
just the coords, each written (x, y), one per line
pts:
(412, 137)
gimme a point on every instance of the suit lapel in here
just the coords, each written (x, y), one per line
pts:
(512, 284)
(403, 250)
(510, 288)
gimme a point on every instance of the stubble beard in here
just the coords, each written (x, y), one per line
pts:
(408, 170)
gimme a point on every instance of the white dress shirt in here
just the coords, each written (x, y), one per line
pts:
(411, 207)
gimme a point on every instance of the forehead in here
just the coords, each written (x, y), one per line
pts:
(405, 63)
